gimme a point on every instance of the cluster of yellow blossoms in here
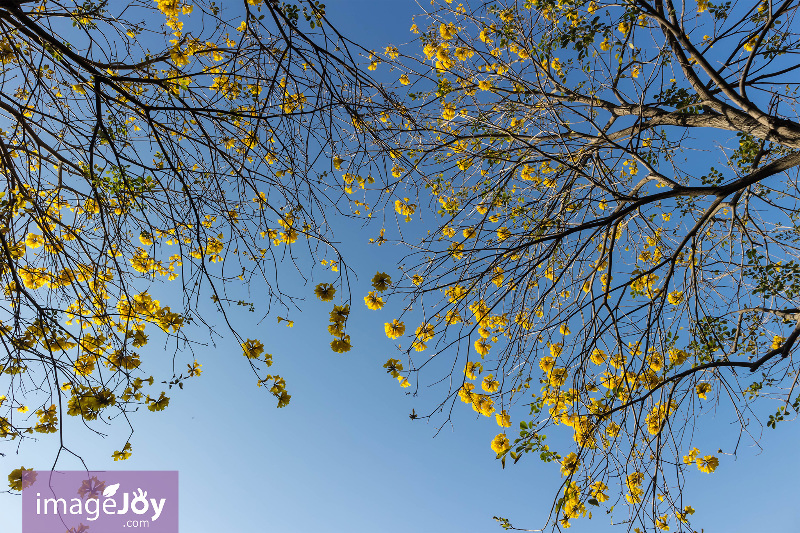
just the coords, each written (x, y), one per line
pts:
(706, 464)
(253, 349)
(340, 313)
(394, 367)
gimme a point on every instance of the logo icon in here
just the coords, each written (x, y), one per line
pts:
(108, 502)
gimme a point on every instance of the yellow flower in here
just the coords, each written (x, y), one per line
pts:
(489, 384)
(500, 444)
(289, 236)
(470, 368)
(656, 361)
(557, 377)
(21, 478)
(194, 369)
(373, 301)
(618, 361)
(482, 346)
(598, 356)
(675, 297)
(677, 356)
(777, 342)
(570, 464)
(381, 281)
(449, 111)
(564, 329)
(325, 292)
(417, 280)
(702, 390)
(682, 516)
(124, 454)
(657, 416)
(634, 482)
(693, 453)
(405, 208)
(463, 53)
(394, 329)
(484, 35)
(555, 349)
(482, 404)
(430, 50)
(465, 392)
(341, 345)
(425, 332)
(707, 464)
(447, 31)
(252, 348)
(393, 366)
(503, 419)
(547, 363)
(598, 490)
(456, 250)
(404, 79)
(33, 240)
(340, 313)
(587, 285)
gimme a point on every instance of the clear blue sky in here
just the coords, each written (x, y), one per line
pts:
(344, 456)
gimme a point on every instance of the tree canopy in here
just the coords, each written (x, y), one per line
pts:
(615, 253)
(159, 142)
(599, 201)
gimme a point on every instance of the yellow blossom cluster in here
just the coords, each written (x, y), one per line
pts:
(706, 464)
(338, 319)
(277, 389)
(394, 367)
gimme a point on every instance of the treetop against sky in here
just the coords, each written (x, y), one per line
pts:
(594, 206)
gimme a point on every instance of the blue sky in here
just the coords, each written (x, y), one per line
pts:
(344, 455)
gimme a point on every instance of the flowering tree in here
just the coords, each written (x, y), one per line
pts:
(143, 143)
(615, 185)
(615, 254)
